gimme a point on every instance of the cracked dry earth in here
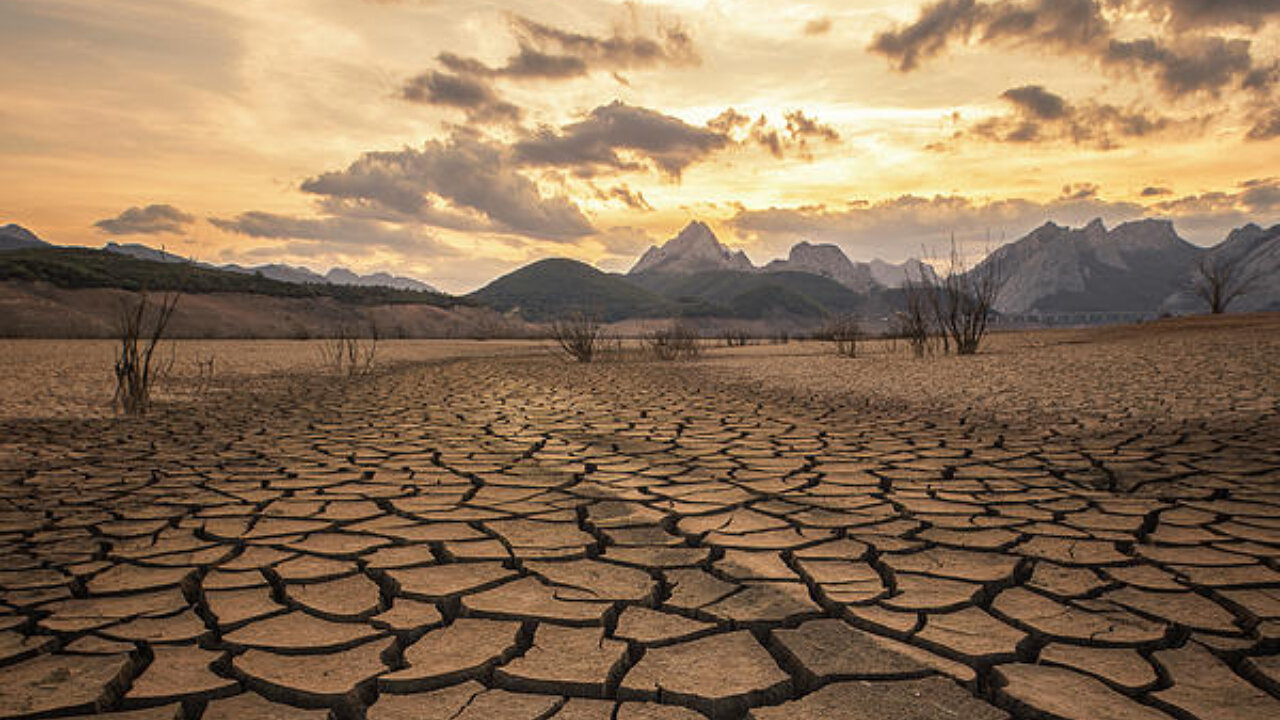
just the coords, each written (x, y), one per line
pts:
(521, 538)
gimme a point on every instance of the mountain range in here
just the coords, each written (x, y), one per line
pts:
(1141, 267)
(276, 271)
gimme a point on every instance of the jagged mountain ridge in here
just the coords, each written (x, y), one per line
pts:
(1131, 268)
(695, 249)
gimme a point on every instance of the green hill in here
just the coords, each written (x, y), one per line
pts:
(552, 288)
(85, 268)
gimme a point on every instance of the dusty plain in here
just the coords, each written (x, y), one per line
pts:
(1073, 524)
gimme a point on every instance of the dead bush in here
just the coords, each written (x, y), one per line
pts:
(843, 332)
(140, 326)
(349, 352)
(579, 336)
(675, 341)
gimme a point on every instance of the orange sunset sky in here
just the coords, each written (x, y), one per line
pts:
(453, 141)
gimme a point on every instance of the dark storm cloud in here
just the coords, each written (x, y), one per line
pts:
(149, 220)
(1043, 116)
(1152, 191)
(467, 173)
(471, 94)
(643, 136)
(1203, 64)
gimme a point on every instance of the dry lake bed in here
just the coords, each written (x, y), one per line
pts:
(1074, 524)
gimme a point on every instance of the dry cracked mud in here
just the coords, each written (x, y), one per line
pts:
(522, 538)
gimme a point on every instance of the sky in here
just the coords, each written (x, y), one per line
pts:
(455, 140)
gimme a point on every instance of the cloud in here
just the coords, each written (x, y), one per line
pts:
(461, 177)
(899, 227)
(1213, 214)
(938, 25)
(1152, 191)
(1189, 14)
(1182, 63)
(1041, 116)
(618, 136)
(149, 220)
(1063, 24)
(623, 194)
(332, 233)
(1201, 64)
(1035, 101)
(472, 95)
(622, 50)
(1267, 127)
(818, 26)
(545, 53)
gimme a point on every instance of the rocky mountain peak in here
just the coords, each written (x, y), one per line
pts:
(694, 249)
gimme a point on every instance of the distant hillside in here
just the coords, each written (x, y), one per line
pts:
(277, 271)
(84, 268)
(16, 237)
(552, 288)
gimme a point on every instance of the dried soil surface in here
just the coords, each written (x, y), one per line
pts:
(1076, 524)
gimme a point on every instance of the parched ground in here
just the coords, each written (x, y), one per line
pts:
(1073, 525)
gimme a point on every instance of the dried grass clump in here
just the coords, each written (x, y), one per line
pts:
(676, 341)
(140, 327)
(345, 352)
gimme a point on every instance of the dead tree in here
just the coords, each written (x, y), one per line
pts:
(914, 320)
(140, 326)
(1219, 279)
(965, 299)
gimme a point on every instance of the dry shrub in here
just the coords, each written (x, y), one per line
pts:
(345, 352)
(676, 341)
(843, 332)
(140, 327)
(735, 337)
(579, 336)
